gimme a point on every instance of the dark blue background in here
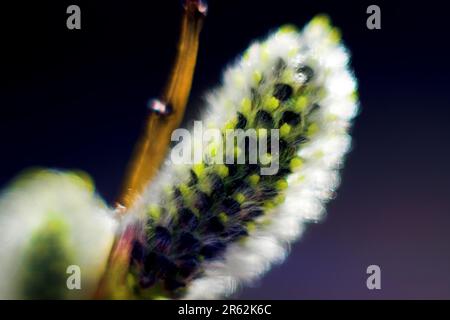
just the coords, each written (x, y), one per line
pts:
(76, 99)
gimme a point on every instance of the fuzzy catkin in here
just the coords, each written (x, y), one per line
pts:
(50, 220)
(205, 229)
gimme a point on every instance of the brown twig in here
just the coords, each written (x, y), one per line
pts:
(166, 115)
(152, 147)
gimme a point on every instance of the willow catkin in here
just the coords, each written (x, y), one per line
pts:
(206, 228)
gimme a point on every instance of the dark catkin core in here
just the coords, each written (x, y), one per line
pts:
(290, 118)
(264, 119)
(307, 72)
(282, 91)
(219, 203)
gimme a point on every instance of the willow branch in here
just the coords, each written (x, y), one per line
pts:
(153, 145)
(165, 116)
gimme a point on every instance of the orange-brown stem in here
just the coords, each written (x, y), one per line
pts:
(152, 146)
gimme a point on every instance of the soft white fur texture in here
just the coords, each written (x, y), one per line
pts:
(26, 207)
(309, 188)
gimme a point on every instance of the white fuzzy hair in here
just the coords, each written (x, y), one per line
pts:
(311, 186)
(27, 205)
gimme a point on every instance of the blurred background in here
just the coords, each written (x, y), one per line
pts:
(77, 100)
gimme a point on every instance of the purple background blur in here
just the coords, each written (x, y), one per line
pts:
(76, 99)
